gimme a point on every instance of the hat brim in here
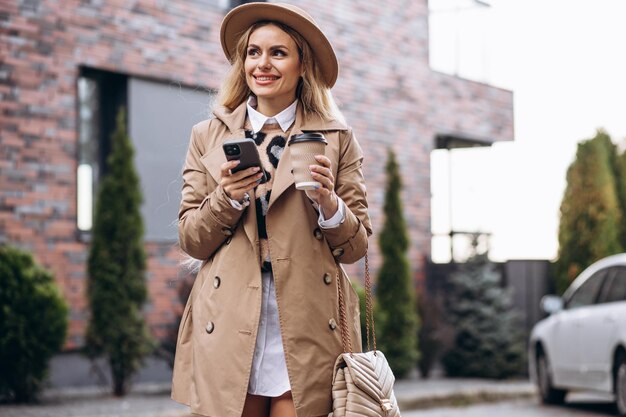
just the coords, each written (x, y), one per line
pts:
(242, 17)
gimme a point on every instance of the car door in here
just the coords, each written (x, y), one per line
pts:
(567, 336)
(599, 331)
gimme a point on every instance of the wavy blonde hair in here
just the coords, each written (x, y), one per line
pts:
(315, 97)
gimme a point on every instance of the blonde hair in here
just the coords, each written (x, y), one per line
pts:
(315, 97)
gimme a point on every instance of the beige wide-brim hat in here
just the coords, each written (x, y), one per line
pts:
(239, 19)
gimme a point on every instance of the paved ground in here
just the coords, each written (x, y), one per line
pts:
(135, 405)
(523, 408)
(418, 393)
(154, 401)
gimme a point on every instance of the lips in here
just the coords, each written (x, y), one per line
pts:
(263, 80)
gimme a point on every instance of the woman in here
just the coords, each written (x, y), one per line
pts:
(260, 331)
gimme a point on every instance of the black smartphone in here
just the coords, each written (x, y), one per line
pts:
(246, 151)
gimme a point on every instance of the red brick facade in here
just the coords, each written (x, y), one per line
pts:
(386, 89)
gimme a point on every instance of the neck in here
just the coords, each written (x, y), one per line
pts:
(271, 107)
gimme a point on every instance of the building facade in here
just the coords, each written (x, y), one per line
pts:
(67, 66)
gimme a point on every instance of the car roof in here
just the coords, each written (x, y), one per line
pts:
(609, 261)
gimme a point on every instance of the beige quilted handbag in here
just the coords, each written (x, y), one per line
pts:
(362, 382)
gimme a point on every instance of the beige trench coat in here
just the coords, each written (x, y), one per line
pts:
(217, 333)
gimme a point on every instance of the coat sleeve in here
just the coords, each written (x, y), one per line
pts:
(206, 218)
(348, 241)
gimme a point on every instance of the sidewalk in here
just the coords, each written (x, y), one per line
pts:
(153, 400)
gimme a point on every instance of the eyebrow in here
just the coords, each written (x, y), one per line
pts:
(274, 47)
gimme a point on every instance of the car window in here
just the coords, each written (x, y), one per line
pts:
(587, 293)
(615, 287)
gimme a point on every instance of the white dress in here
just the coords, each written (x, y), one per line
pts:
(268, 376)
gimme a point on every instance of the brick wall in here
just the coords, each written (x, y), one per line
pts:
(386, 89)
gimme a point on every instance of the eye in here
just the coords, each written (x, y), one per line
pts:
(280, 52)
(252, 51)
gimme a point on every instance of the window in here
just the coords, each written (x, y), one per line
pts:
(100, 95)
(459, 37)
(587, 293)
(615, 287)
(457, 216)
(160, 117)
(160, 120)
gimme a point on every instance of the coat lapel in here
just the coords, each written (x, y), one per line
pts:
(213, 159)
(313, 123)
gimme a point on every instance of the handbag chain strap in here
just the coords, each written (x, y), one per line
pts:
(369, 315)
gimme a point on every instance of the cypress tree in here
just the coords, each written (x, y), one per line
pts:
(397, 313)
(486, 343)
(116, 265)
(591, 217)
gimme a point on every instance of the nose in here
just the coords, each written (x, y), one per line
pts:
(264, 62)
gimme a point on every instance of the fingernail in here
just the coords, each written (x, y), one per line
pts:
(255, 169)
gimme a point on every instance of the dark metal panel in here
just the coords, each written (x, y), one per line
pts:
(530, 281)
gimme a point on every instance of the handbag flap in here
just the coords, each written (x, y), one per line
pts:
(370, 372)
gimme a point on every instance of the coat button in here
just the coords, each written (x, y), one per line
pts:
(209, 327)
(227, 231)
(216, 282)
(328, 279)
(332, 324)
(318, 234)
(337, 252)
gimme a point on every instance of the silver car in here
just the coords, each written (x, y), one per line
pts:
(582, 344)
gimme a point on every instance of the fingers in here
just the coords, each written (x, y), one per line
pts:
(227, 166)
(237, 184)
(237, 190)
(323, 174)
(249, 182)
(327, 183)
(323, 160)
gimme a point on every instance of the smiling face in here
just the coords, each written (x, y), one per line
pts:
(273, 69)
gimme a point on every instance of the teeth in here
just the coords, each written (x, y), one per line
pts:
(266, 78)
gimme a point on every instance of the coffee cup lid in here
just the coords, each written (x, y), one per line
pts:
(307, 137)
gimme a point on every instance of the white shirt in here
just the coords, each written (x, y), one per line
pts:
(285, 118)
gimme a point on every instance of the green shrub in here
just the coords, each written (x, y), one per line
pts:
(33, 324)
(396, 315)
(487, 342)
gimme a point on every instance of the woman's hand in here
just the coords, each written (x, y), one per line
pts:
(238, 184)
(325, 195)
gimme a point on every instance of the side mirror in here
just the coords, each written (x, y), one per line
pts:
(551, 304)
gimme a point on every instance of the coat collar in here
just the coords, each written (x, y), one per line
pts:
(235, 120)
